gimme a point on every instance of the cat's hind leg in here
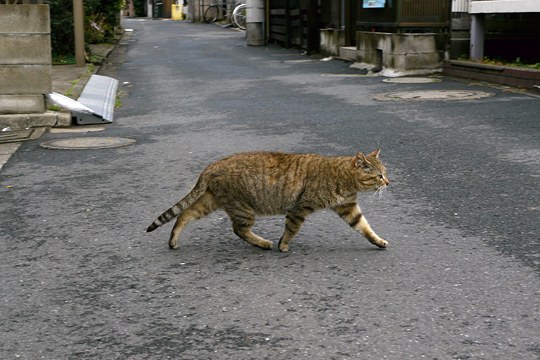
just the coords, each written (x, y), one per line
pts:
(351, 213)
(200, 208)
(242, 222)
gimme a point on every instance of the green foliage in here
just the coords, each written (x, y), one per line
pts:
(61, 26)
(63, 59)
(101, 20)
(516, 63)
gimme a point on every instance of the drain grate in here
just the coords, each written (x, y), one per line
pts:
(426, 95)
(20, 135)
(88, 143)
(302, 61)
(412, 80)
(343, 75)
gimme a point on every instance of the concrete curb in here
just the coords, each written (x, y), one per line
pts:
(523, 78)
(6, 150)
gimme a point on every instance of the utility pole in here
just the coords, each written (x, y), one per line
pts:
(78, 25)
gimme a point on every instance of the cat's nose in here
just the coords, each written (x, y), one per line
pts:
(386, 181)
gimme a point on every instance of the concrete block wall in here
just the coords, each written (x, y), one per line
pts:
(331, 40)
(402, 51)
(25, 58)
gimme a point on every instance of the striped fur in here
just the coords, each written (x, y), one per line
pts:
(246, 185)
(180, 206)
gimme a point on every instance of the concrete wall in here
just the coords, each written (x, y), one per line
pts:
(402, 51)
(25, 60)
(331, 41)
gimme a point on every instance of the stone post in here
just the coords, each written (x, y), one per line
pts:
(255, 23)
(25, 66)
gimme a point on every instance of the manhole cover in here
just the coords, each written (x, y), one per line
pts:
(87, 143)
(303, 61)
(423, 95)
(412, 80)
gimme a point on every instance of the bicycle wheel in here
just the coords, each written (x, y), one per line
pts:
(211, 13)
(239, 16)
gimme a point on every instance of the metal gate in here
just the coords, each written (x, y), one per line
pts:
(294, 23)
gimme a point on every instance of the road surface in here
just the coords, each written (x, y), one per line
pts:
(459, 280)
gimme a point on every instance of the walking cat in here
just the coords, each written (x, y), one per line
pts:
(270, 183)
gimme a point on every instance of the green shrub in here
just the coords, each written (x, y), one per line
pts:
(101, 21)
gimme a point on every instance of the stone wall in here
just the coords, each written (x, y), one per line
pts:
(25, 64)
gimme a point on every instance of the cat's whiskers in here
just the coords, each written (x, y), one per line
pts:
(379, 190)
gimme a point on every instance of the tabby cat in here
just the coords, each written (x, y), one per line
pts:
(272, 183)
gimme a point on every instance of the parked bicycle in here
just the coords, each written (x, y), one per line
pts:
(239, 16)
(223, 9)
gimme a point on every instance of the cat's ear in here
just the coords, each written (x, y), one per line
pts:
(375, 153)
(360, 161)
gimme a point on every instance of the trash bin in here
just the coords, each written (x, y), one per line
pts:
(158, 10)
(177, 12)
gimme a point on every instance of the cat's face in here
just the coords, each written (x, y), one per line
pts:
(372, 172)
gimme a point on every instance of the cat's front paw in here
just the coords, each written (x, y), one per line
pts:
(283, 247)
(266, 245)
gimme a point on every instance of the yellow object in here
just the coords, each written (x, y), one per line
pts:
(177, 13)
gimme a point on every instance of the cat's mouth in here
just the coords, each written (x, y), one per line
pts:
(380, 189)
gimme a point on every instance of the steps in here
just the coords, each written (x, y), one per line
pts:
(347, 53)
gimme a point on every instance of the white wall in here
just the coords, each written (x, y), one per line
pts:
(504, 6)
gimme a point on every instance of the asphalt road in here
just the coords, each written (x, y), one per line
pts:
(460, 279)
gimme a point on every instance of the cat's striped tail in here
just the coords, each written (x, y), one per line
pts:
(180, 206)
